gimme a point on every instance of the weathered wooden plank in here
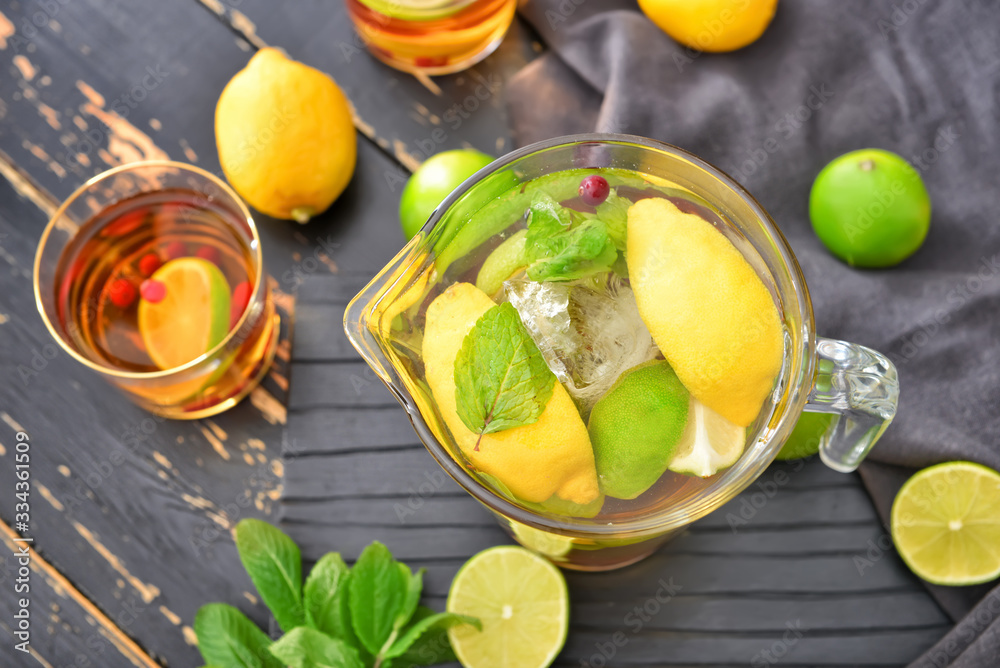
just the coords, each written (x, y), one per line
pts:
(318, 289)
(60, 622)
(412, 119)
(327, 431)
(377, 473)
(322, 337)
(699, 613)
(431, 504)
(856, 648)
(338, 385)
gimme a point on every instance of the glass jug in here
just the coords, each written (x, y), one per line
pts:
(854, 384)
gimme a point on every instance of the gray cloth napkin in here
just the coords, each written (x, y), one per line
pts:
(920, 78)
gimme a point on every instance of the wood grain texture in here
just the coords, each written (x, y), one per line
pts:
(796, 571)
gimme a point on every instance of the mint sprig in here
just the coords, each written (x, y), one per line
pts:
(564, 245)
(365, 617)
(501, 378)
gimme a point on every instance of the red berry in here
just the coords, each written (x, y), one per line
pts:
(149, 263)
(210, 253)
(175, 249)
(241, 297)
(594, 190)
(121, 292)
(153, 291)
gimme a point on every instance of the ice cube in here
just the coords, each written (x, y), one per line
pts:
(588, 331)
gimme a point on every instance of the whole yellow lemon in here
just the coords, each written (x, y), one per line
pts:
(711, 25)
(285, 137)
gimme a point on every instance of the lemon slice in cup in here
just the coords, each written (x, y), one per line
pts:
(191, 316)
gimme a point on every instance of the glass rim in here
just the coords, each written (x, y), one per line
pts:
(733, 480)
(79, 192)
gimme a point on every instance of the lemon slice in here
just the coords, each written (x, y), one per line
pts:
(946, 523)
(191, 317)
(521, 600)
(709, 443)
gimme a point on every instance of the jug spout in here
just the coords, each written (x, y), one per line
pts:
(368, 319)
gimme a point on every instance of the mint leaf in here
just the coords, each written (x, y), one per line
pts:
(274, 564)
(432, 648)
(501, 379)
(326, 599)
(586, 249)
(227, 638)
(547, 221)
(415, 584)
(304, 647)
(613, 212)
(378, 592)
(561, 248)
(440, 620)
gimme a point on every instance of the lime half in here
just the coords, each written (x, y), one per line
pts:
(190, 317)
(946, 523)
(521, 600)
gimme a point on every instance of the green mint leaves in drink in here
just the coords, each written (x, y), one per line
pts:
(613, 212)
(363, 617)
(564, 245)
(501, 378)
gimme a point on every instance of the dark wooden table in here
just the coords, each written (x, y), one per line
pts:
(130, 516)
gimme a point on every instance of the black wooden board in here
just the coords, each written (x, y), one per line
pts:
(796, 570)
(130, 515)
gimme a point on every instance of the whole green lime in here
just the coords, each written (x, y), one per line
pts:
(804, 439)
(635, 427)
(433, 181)
(870, 208)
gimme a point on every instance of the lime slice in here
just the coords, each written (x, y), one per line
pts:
(505, 259)
(709, 443)
(416, 10)
(192, 316)
(550, 545)
(521, 600)
(946, 523)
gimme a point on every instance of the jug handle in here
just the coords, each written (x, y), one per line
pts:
(861, 388)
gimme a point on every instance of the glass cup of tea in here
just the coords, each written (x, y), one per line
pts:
(151, 274)
(431, 37)
(470, 256)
